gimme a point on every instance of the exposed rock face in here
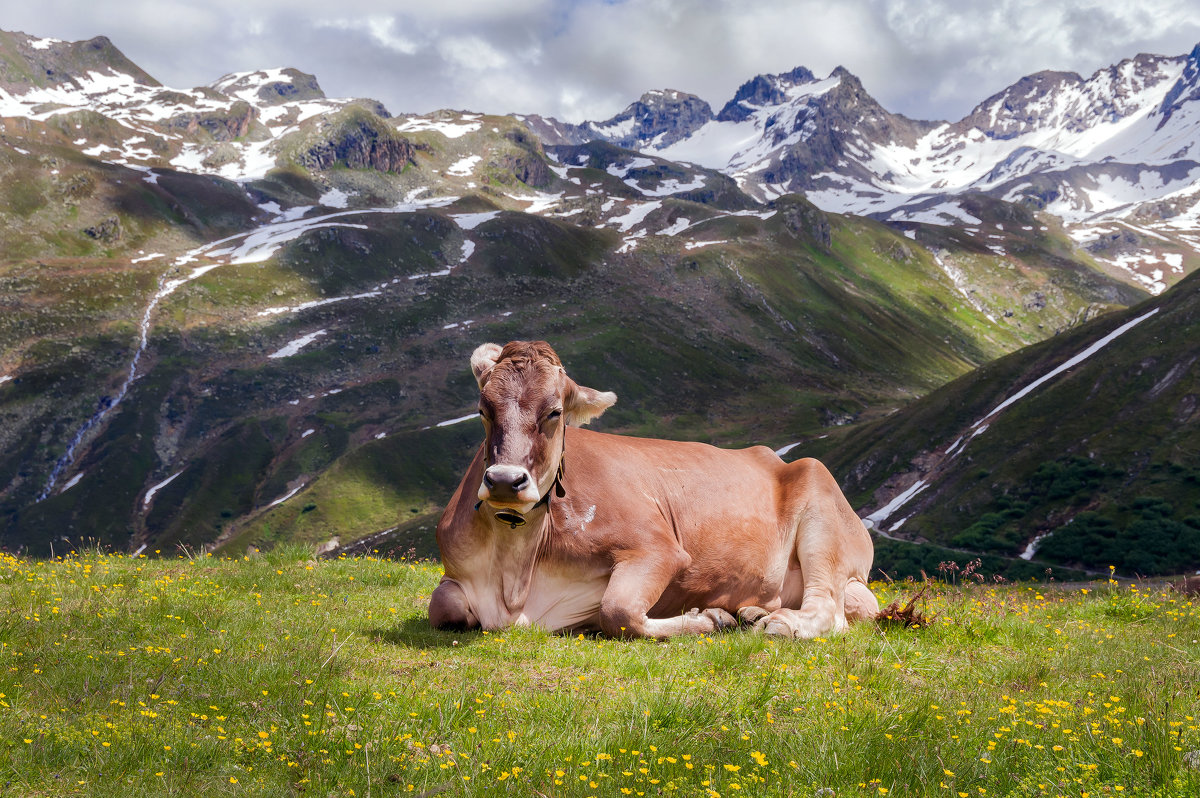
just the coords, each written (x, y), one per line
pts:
(221, 125)
(107, 231)
(1066, 101)
(658, 118)
(1185, 90)
(815, 131)
(359, 140)
(805, 220)
(760, 91)
(529, 166)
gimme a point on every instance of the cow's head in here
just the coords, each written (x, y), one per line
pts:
(526, 400)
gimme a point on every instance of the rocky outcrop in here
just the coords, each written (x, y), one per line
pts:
(106, 231)
(357, 139)
(804, 220)
(220, 125)
(528, 162)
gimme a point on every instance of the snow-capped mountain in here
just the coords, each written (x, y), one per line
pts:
(1118, 152)
(657, 119)
(232, 128)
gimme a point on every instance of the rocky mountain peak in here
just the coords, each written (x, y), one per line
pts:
(662, 117)
(763, 90)
(1019, 107)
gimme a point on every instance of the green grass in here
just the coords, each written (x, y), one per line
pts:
(281, 675)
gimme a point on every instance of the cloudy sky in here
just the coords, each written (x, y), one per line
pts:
(588, 59)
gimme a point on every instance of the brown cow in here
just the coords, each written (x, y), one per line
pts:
(571, 529)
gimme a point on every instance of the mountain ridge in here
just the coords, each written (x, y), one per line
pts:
(1094, 152)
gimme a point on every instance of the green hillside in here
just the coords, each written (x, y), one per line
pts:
(759, 324)
(1104, 459)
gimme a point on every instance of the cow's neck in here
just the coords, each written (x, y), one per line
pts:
(518, 547)
(517, 551)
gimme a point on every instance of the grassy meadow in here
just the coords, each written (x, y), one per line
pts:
(282, 675)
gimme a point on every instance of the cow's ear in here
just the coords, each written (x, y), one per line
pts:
(581, 405)
(483, 360)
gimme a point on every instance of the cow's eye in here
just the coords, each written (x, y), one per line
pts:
(553, 415)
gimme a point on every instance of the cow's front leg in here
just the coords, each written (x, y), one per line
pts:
(634, 587)
(448, 607)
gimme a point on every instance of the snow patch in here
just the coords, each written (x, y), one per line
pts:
(1032, 548)
(676, 228)
(286, 496)
(458, 420)
(156, 488)
(334, 198)
(1069, 364)
(469, 221)
(450, 128)
(636, 214)
(464, 167)
(295, 346)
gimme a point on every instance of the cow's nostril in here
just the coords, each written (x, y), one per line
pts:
(501, 480)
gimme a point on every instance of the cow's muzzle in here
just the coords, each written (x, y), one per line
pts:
(508, 485)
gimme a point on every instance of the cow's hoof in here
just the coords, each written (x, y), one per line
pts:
(749, 616)
(720, 618)
(777, 627)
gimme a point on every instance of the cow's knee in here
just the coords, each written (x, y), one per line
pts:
(620, 621)
(448, 607)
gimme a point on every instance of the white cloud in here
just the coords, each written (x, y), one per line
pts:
(473, 53)
(382, 31)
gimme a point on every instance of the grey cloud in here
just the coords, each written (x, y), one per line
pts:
(579, 59)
